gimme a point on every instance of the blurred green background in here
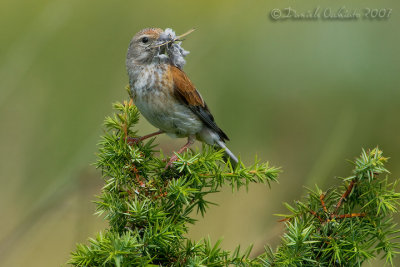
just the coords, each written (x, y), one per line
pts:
(304, 95)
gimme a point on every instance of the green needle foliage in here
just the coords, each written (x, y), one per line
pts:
(149, 208)
(343, 226)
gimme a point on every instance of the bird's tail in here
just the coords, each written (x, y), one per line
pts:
(234, 160)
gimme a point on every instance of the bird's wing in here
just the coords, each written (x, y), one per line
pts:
(185, 91)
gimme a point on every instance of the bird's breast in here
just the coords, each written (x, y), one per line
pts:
(153, 94)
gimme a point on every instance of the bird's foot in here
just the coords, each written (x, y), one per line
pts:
(171, 161)
(133, 140)
(190, 141)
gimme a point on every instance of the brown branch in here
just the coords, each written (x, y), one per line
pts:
(317, 216)
(345, 195)
(135, 171)
(333, 215)
(321, 198)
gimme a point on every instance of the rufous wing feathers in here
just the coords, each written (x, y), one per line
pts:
(185, 91)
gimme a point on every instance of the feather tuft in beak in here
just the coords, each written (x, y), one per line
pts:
(169, 46)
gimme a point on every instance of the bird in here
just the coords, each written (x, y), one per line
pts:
(165, 95)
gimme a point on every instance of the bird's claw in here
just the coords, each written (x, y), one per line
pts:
(133, 140)
(171, 161)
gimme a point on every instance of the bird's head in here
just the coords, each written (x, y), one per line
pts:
(150, 43)
(144, 46)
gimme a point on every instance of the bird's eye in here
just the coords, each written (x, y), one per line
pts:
(145, 40)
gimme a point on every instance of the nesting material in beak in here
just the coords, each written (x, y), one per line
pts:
(169, 36)
(170, 44)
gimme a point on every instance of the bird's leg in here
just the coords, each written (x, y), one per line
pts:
(190, 142)
(134, 141)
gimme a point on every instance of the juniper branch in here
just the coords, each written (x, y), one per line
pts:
(345, 229)
(149, 208)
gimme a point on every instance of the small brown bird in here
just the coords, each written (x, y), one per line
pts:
(165, 95)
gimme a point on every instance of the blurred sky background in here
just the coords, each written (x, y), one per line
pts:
(304, 95)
